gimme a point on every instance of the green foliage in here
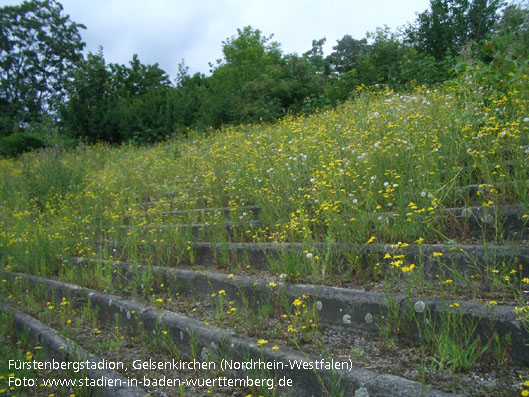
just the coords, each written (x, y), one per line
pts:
(253, 82)
(19, 143)
(38, 47)
(346, 53)
(449, 25)
(118, 103)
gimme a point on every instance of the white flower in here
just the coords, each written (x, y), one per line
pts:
(309, 255)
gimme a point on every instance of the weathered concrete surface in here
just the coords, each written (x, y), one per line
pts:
(250, 212)
(214, 343)
(63, 349)
(465, 259)
(342, 307)
(196, 230)
(503, 221)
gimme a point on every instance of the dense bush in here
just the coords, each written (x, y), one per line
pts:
(19, 143)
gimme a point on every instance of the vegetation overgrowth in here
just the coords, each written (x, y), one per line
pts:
(75, 97)
(377, 169)
(381, 169)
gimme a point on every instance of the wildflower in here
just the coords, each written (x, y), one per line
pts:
(297, 302)
(222, 292)
(492, 303)
(261, 342)
(408, 268)
(275, 347)
(437, 254)
(272, 284)
(370, 240)
(309, 255)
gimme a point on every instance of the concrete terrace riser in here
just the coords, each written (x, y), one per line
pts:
(466, 259)
(193, 231)
(341, 307)
(63, 349)
(252, 212)
(456, 260)
(219, 342)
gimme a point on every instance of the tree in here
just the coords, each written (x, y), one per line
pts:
(314, 57)
(38, 47)
(450, 24)
(241, 88)
(346, 53)
(117, 103)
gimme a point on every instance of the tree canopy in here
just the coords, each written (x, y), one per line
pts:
(43, 71)
(38, 47)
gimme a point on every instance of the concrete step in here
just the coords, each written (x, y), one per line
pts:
(61, 349)
(437, 261)
(194, 231)
(345, 308)
(213, 343)
(243, 213)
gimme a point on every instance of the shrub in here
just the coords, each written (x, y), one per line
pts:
(18, 143)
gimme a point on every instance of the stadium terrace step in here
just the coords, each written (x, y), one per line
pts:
(60, 348)
(478, 192)
(337, 307)
(216, 343)
(488, 222)
(250, 212)
(196, 229)
(435, 259)
(443, 261)
(510, 222)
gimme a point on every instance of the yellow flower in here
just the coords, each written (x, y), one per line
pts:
(261, 342)
(272, 284)
(275, 347)
(296, 302)
(370, 240)
(437, 254)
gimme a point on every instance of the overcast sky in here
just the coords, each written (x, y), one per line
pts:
(167, 31)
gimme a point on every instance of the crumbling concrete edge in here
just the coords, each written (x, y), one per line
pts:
(57, 347)
(340, 307)
(211, 341)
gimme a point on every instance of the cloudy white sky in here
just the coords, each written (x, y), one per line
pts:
(167, 31)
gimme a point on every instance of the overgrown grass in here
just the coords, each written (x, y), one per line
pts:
(380, 168)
